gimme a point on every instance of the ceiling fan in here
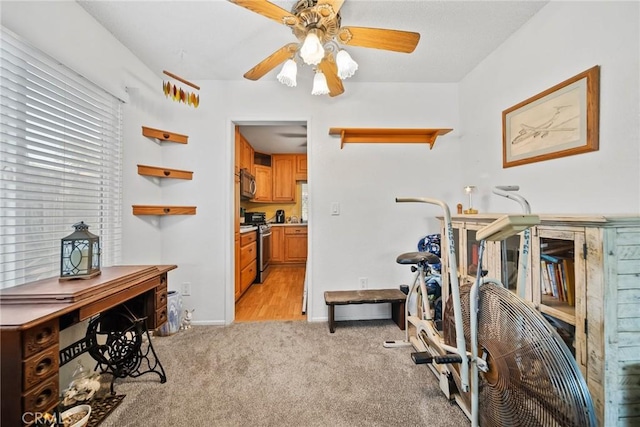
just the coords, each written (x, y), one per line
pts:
(317, 26)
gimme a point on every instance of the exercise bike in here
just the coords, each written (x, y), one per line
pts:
(494, 353)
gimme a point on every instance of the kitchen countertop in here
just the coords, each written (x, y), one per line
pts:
(247, 228)
(300, 224)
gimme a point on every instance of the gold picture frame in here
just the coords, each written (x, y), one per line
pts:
(561, 121)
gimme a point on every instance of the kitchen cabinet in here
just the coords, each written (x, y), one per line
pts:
(248, 259)
(284, 184)
(295, 244)
(264, 184)
(246, 154)
(301, 167)
(289, 244)
(277, 244)
(236, 233)
(594, 310)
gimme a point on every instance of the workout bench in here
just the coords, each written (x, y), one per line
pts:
(367, 296)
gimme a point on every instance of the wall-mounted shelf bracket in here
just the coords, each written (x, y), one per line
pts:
(163, 210)
(164, 135)
(369, 135)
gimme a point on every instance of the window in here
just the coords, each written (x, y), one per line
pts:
(60, 162)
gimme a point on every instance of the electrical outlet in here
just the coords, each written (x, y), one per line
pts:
(364, 282)
(186, 289)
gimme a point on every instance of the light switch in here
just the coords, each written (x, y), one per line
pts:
(335, 208)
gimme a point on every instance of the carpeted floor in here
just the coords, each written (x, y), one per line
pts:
(290, 373)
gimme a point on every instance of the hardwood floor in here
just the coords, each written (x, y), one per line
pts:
(278, 298)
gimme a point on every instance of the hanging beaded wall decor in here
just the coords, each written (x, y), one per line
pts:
(178, 94)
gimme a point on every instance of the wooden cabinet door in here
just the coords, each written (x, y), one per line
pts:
(277, 244)
(238, 290)
(238, 151)
(263, 184)
(283, 170)
(246, 155)
(301, 167)
(295, 244)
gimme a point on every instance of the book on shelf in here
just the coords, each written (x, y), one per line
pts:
(546, 280)
(570, 280)
(552, 279)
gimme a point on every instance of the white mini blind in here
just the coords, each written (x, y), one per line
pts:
(60, 163)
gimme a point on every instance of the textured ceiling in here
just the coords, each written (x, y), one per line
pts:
(218, 40)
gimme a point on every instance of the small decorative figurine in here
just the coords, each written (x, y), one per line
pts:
(186, 321)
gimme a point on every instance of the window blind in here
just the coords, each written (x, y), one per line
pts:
(60, 162)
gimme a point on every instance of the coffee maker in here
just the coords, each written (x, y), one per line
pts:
(280, 216)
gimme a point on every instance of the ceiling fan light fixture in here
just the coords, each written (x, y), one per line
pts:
(346, 65)
(287, 75)
(312, 51)
(320, 86)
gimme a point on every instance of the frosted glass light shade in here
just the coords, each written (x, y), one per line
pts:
(312, 51)
(346, 65)
(319, 84)
(287, 75)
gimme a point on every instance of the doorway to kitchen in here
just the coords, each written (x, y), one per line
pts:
(271, 216)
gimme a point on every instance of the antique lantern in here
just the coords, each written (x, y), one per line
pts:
(80, 254)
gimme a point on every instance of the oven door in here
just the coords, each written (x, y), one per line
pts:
(264, 255)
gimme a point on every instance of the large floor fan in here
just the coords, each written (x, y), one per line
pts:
(533, 379)
(319, 21)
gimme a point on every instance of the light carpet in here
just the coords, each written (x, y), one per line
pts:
(289, 373)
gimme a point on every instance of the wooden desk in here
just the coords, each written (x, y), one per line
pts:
(32, 316)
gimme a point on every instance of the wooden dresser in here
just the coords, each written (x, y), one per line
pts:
(32, 316)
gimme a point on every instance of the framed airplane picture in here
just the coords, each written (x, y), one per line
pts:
(561, 121)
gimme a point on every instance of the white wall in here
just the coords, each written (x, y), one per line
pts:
(371, 230)
(562, 40)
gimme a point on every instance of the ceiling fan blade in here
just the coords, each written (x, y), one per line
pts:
(330, 70)
(268, 9)
(379, 38)
(335, 4)
(272, 61)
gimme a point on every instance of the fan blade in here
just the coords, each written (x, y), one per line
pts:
(268, 9)
(379, 38)
(335, 4)
(330, 70)
(272, 61)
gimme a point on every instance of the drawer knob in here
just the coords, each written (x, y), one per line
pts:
(44, 335)
(166, 135)
(166, 210)
(43, 366)
(167, 173)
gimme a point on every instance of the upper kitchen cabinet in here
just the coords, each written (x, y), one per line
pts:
(301, 167)
(264, 184)
(283, 167)
(246, 154)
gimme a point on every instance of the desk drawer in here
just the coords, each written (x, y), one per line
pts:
(41, 398)
(40, 337)
(118, 298)
(161, 317)
(161, 296)
(40, 366)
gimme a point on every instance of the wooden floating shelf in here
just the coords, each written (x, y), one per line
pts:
(163, 210)
(368, 135)
(164, 172)
(164, 135)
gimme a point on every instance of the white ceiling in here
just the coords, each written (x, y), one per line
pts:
(218, 40)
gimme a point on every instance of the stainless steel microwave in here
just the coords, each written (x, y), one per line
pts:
(247, 185)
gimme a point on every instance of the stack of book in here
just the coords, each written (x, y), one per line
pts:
(558, 278)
